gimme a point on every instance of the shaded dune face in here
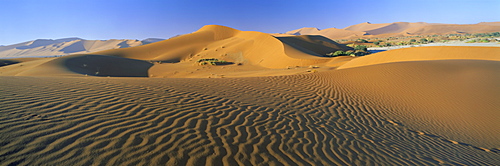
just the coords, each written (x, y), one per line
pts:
(101, 65)
(88, 65)
(312, 44)
(7, 62)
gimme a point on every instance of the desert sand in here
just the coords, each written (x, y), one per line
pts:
(276, 102)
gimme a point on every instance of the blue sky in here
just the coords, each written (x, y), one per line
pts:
(24, 20)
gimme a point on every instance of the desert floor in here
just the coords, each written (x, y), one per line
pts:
(404, 113)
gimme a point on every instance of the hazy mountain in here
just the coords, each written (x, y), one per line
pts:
(65, 46)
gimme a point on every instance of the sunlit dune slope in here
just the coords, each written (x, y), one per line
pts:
(426, 54)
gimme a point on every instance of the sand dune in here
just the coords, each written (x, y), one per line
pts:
(6, 62)
(453, 29)
(490, 23)
(303, 31)
(332, 33)
(426, 54)
(386, 28)
(80, 65)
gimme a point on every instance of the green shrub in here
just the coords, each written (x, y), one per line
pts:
(336, 53)
(360, 47)
(471, 41)
(362, 41)
(339, 53)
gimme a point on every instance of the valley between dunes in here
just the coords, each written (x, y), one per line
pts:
(275, 101)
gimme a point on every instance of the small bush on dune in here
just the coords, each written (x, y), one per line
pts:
(212, 61)
(423, 40)
(362, 41)
(336, 53)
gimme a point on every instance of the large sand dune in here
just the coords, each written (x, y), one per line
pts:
(377, 29)
(289, 106)
(254, 48)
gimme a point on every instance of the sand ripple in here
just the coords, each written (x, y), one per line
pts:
(307, 119)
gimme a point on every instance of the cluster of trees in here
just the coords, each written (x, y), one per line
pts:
(421, 41)
(493, 34)
(359, 50)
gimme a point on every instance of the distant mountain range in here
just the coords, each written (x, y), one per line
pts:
(368, 30)
(66, 46)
